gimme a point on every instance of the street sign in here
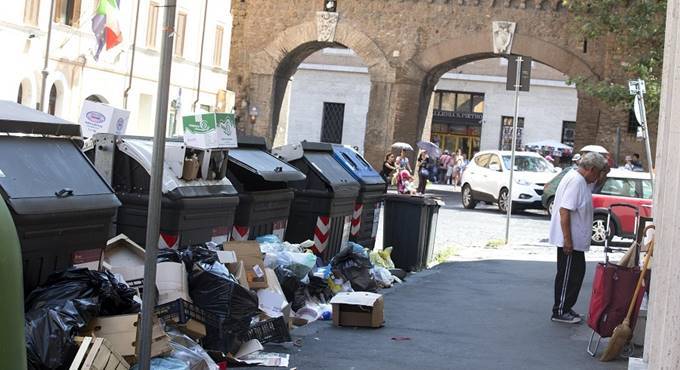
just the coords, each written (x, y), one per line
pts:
(525, 74)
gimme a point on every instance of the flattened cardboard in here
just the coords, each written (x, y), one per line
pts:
(172, 282)
(253, 261)
(358, 309)
(272, 300)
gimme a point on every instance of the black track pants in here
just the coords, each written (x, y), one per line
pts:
(570, 272)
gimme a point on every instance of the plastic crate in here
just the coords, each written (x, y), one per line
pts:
(269, 331)
(181, 311)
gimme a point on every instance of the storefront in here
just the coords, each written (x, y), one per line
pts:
(457, 121)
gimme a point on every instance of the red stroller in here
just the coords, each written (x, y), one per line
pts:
(613, 287)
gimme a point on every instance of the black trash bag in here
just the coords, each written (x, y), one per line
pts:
(215, 290)
(292, 287)
(64, 304)
(198, 253)
(354, 267)
(113, 297)
(50, 333)
(318, 287)
(169, 255)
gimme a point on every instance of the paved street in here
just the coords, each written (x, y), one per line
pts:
(488, 308)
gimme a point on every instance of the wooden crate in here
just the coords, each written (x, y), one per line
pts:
(98, 354)
(122, 332)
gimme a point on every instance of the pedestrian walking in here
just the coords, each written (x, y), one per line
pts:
(458, 160)
(423, 171)
(443, 167)
(388, 168)
(570, 232)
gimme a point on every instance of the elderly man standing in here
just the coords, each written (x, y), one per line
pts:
(570, 231)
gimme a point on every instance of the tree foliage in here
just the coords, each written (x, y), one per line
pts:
(635, 29)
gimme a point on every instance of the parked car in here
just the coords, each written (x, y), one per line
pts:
(549, 190)
(487, 176)
(621, 187)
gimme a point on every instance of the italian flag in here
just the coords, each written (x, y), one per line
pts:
(105, 25)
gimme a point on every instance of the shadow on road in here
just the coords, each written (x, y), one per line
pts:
(492, 314)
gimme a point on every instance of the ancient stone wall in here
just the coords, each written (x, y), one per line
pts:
(407, 45)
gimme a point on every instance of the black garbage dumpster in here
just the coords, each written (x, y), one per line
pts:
(262, 184)
(410, 227)
(193, 211)
(366, 213)
(324, 201)
(61, 207)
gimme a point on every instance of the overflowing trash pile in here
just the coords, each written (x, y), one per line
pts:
(216, 303)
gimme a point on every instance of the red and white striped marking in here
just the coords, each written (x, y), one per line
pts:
(356, 219)
(221, 234)
(321, 233)
(240, 233)
(168, 241)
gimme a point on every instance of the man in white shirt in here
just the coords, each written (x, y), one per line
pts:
(570, 230)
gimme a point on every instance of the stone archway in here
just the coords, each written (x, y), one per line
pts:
(430, 65)
(272, 67)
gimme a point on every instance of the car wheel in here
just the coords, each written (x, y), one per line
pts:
(599, 235)
(503, 200)
(551, 203)
(468, 201)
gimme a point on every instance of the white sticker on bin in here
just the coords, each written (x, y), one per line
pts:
(258, 271)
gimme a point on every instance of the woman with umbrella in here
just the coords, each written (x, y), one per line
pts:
(402, 159)
(423, 172)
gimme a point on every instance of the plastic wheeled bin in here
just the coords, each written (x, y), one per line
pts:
(410, 226)
(62, 208)
(366, 215)
(262, 184)
(324, 201)
(193, 211)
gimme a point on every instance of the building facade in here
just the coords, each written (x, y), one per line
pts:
(74, 75)
(470, 107)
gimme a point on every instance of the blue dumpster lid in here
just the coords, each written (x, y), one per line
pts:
(42, 175)
(356, 165)
(18, 118)
(320, 158)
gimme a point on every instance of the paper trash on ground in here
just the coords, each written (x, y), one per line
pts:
(251, 353)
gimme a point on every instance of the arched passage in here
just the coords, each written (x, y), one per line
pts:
(272, 67)
(433, 62)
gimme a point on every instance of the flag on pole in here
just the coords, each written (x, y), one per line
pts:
(105, 25)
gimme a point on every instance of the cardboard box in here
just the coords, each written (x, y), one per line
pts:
(125, 257)
(210, 130)
(238, 269)
(102, 118)
(122, 332)
(358, 309)
(253, 261)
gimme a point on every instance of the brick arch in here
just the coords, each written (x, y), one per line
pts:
(277, 62)
(430, 65)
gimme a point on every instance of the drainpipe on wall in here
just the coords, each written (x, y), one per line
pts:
(45, 72)
(200, 60)
(126, 93)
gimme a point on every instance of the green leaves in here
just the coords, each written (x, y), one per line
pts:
(634, 31)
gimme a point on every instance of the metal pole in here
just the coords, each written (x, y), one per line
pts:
(132, 61)
(45, 72)
(617, 154)
(648, 145)
(154, 212)
(514, 147)
(200, 60)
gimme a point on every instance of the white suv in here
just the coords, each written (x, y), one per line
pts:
(487, 176)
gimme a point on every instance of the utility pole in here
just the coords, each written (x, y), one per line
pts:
(518, 84)
(155, 189)
(45, 72)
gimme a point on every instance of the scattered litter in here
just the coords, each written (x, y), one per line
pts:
(401, 338)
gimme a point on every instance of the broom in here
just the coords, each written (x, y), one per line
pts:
(623, 333)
